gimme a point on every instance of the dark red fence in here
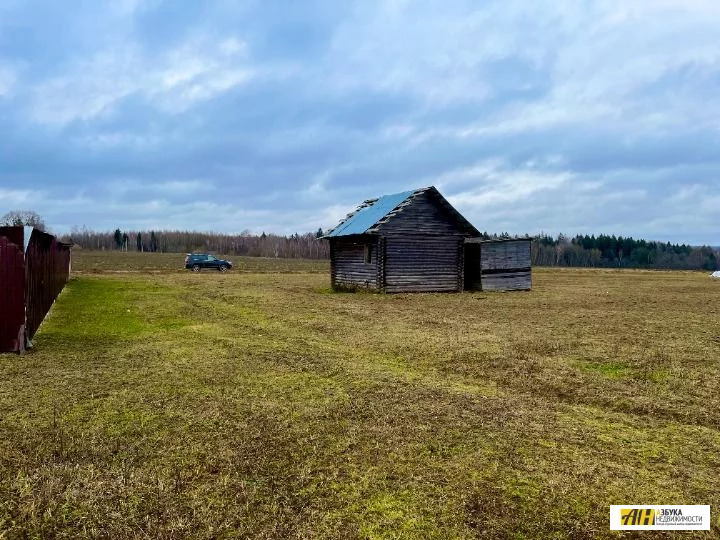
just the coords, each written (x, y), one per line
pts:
(33, 280)
(47, 272)
(12, 296)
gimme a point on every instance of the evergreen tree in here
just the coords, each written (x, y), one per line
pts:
(153, 242)
(118, 238)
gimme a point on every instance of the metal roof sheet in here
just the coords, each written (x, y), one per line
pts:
(368, 216)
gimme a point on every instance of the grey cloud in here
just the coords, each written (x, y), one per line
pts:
(598, 117)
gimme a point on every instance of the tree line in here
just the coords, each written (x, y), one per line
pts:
(605, 251)
(601, 251)
(305, 246)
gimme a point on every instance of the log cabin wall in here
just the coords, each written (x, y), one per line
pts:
(354, 262)
(423, 263)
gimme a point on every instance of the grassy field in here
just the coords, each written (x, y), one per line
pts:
(161, 404)
(100, 262)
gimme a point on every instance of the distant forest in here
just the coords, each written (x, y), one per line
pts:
(601, 251)
(295, 246)
(617, 252)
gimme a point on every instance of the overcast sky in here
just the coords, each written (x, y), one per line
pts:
(558, 116)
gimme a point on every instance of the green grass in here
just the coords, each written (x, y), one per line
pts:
(261, 404)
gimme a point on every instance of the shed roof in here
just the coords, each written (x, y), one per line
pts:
(480, 240)
(373, 211)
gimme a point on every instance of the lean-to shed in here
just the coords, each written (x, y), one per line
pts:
(406, 242)
(498, 265)
(34, 268)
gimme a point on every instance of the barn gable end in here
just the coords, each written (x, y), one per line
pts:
(425, 213)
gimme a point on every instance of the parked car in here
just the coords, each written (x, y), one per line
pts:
(198, 261)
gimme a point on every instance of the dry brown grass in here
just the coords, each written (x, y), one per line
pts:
(132, 262)
(172, 405)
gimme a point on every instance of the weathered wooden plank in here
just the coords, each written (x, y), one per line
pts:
(506, 254)
(422, 263)
(515, 282)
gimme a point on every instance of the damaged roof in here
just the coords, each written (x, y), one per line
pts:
(373, 212)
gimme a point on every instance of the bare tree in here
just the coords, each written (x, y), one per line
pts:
(23, 218)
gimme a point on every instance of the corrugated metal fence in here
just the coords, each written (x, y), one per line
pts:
(12, 296)
(47, 272)
(29, 282)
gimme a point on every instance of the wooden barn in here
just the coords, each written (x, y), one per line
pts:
(34, 267)
(415, 241)
(406, 242)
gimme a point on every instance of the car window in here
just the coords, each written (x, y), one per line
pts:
(211, 258)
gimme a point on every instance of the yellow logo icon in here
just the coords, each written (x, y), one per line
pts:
(637, 516)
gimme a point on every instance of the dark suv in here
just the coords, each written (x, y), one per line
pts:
(198, 261)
